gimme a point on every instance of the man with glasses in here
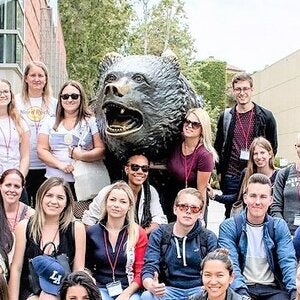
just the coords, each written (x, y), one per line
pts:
(175, 251)
(236, 129)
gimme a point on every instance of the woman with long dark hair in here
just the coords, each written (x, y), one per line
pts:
(71, 135)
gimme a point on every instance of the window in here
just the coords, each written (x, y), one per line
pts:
(11, 31)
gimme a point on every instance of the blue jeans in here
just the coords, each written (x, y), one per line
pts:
(173, 293)
(105, 295)
(229, 186)
(267, 292)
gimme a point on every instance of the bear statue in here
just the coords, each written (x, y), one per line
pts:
(140, 105)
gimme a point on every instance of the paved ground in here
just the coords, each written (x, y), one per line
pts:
(215, 215)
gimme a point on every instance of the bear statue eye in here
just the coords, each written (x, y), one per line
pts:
(110, 78)
(138, 78)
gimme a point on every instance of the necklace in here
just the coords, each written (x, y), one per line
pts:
(7, 143)
(14, 223)
(52, 241)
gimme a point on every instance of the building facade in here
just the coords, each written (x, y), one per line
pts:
(277, 88)
(31, 30)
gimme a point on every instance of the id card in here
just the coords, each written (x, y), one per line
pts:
(297, 220)
(114, 288)
(244, 155)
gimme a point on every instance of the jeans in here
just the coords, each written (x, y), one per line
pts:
(173, 293)
(105, 295)
(229, 186)
(267, 292)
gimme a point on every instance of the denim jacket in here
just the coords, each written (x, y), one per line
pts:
(280, 252)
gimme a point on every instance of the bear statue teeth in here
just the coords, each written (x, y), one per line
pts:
(121, 120)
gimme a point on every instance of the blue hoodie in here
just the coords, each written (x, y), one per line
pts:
(182, 257)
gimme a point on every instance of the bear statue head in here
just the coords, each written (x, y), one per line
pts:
(140, 104)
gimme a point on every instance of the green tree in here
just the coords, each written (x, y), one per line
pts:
(209, 80)
(92, 29)
(161, 27)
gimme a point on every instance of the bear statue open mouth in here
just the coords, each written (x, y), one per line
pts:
(121, 120)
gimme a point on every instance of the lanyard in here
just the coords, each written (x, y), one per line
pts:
(7, 144)
(113, 265)
(246, 135)
(187, 172)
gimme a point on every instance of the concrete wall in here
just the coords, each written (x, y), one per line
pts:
(277, 88)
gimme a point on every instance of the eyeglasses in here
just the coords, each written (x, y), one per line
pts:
(186, 207)
(195, 125)
(67, 96)
(136, 167)
(244, 89)
(5, 92)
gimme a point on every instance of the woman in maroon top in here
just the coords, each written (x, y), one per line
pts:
(192, 162)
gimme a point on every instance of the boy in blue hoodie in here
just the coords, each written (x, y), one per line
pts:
(175, 251)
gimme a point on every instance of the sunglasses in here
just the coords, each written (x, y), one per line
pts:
(136, 167)
(67, 96)
(186, 207)
(195, 125)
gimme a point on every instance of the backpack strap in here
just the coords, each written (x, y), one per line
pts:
(202, 240)
(167, 231)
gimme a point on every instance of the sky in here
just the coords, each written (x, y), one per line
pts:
(248, 34)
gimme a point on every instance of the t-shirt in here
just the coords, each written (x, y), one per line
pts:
(200, 160)
(34, 113)
(10, 144)
(61, 138)
(244, 128)
(257, 268)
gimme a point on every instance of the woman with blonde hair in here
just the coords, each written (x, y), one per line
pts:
(192, 161)
(116, 246)
(261, 160)
(53, 222)
(14, 133)
(35, 103)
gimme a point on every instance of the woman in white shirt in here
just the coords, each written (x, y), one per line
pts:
(35, 103)
(71, 135)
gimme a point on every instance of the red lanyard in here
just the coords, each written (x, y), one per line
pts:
(187, 172)
(7, 144)
(113, 265)
(246, 135)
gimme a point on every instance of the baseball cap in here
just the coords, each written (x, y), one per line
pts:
(50, 272)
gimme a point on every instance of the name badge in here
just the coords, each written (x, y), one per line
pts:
(297, 220)
(114, 288)
(244, 155)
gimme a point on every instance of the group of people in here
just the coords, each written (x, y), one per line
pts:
(124, 247)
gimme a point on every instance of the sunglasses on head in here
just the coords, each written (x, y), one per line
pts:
(186, 207)
(195, 125)
(136, 167)
(67, 96)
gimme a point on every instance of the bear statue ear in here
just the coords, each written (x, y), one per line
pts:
(169, 56)
(108, 60)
